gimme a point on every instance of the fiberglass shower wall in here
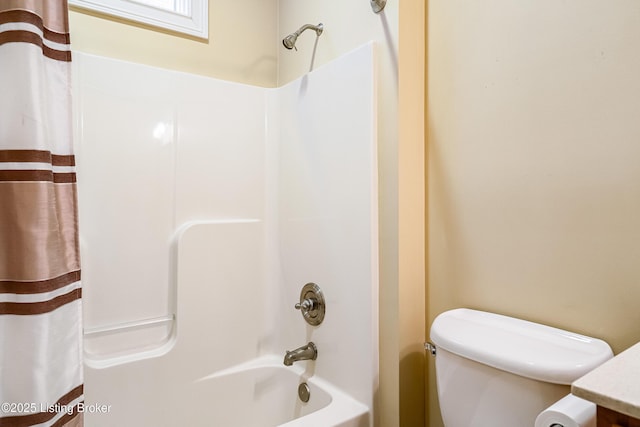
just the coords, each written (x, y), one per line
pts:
(327, 216)
(205, 206)
(156, 150)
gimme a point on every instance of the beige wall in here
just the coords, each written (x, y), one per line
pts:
(412, 211)
(240, 48)
(245, 46)
(534, 177)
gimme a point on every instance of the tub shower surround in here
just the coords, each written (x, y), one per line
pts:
(205, 207)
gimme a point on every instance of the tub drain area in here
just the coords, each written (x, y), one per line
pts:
(303, 392)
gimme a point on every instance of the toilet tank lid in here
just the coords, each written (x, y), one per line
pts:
(524, 348)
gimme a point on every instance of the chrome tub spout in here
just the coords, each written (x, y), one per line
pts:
(306, 352)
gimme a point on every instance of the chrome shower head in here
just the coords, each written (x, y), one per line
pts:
(290, 41)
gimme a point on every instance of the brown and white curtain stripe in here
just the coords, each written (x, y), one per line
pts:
(41, 382)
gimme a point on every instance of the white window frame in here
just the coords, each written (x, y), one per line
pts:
(196, 24)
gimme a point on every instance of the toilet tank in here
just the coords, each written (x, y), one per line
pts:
(498, 371)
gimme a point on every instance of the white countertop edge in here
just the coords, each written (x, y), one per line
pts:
(615, 384)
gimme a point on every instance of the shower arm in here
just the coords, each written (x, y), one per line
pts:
(317, 28)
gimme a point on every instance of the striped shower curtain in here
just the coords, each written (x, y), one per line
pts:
(40, 294)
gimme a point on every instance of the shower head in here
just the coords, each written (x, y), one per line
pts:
(290, 41)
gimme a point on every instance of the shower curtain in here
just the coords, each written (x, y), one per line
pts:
(40, 293)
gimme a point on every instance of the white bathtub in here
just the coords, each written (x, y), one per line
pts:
(194, 379)
(264, 393)
(259, 393)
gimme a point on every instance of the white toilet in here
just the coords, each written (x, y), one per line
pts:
(497, 371)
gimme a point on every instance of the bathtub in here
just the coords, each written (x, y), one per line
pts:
(264, 393)
(207, 373)
(259, 393)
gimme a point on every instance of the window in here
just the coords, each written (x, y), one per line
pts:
(184, 16)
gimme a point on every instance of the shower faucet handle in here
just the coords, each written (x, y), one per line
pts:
(311, 305)
(307, 304)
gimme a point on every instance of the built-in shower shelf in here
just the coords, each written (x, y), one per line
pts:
(118, 343)
(126, 326)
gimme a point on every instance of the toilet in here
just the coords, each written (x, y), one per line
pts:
(498, 371)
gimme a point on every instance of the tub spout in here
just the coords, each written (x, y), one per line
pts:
(306, 352)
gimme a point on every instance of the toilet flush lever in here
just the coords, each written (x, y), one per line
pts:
(311, 304)
(430, 347)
